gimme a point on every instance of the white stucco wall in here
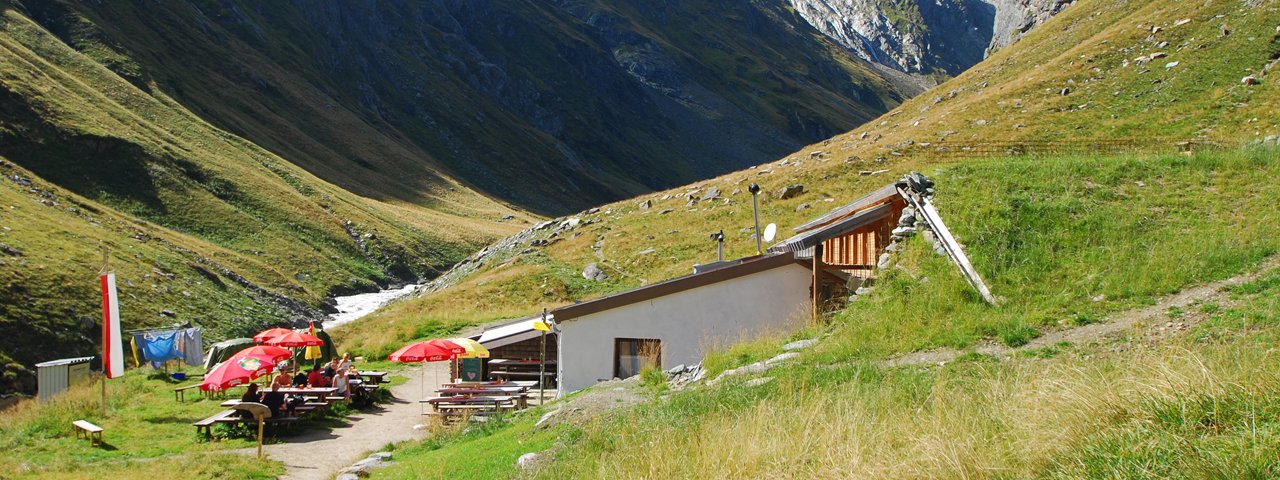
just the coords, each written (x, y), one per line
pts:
(688, 323)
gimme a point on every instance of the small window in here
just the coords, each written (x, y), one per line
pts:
(631, 355)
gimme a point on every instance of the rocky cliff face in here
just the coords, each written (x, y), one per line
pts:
(925, 37)
(1017, 17)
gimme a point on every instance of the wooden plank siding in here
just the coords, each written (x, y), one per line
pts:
(856, 252)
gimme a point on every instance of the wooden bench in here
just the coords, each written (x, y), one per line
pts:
(89, 430)
(206, 425)
(232, 417)
(179, 394)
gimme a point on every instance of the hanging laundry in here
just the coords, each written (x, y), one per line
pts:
(133, 346)
(193, 346)
(139, 342)
(160, 346)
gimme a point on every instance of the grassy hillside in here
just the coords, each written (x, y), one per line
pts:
(1011, 102)
(201, 225)
(1068, 241)
(548, 105)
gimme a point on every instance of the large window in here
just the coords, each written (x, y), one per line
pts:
(631, 355)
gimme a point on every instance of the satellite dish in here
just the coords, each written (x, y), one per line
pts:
(769, 231)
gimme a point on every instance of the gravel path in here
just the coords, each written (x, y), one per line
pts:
(318, 453)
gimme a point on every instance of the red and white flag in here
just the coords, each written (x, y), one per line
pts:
(112, 348)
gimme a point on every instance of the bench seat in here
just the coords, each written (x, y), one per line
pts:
(89, 430)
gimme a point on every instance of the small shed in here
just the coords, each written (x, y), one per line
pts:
(55, 376)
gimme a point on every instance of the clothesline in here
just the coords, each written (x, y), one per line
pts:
(176, 326)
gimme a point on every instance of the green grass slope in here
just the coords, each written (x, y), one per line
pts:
(202, 225)
(1012, 100)
(1051, 235)
(1066, 240)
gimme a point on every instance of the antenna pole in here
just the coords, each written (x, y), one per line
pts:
(542, 364)
(755, 211)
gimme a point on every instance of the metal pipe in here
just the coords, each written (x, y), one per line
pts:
(755, 211)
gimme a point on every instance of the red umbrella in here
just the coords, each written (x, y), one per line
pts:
(429, 351)
(295, 339)
(266, 353)
(270, 334)
(235, 371)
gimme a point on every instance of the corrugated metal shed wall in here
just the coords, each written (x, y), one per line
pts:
(54, 377)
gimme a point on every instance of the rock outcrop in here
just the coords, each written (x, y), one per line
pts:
(926, 37)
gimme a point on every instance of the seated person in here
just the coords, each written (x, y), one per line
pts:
(250, 395)
(299, 378)
(282, 380)
(340, 381)
(316, 379)
(274, 400)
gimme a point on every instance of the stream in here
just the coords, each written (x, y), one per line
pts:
(352, 307)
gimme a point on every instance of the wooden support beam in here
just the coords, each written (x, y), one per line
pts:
(949, 244)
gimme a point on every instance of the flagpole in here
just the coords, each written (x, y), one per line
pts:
(105, 368)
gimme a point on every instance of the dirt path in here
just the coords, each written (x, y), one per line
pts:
(1154, 319)
(318, 453)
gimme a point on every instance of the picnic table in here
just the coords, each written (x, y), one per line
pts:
(513, 383)
(373, 377)
(485, 390)
(492, 403)
(321, 393)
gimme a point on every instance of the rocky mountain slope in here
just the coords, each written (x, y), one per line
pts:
(200, 225)
(552, 106)
(930, 38)
(1107, 75)
(242, 161)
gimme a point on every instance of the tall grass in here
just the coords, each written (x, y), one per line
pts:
(973, 420)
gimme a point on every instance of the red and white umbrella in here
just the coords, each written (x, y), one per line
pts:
(269, 334)
(429, 351)
(266, 353)
(244, 367)
(295, 339)
(235, 371)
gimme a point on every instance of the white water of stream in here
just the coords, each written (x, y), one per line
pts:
(353, 307)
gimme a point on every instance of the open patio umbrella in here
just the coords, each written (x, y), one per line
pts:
(437, 350)
(266, 353)
(295, 339)
(235, 371)
(473, 348)
(269, 334)
(244, 366)
(429, 351)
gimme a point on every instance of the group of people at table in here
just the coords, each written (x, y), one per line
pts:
(337, 375)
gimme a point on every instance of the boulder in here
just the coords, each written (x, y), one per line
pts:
(1249, 80)
(527, 461)
(594, 273)
(781, 357)
(711, 194)
(800, 344)
(802, 206)
(790, 191)
(546, 417)
(885, 260)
